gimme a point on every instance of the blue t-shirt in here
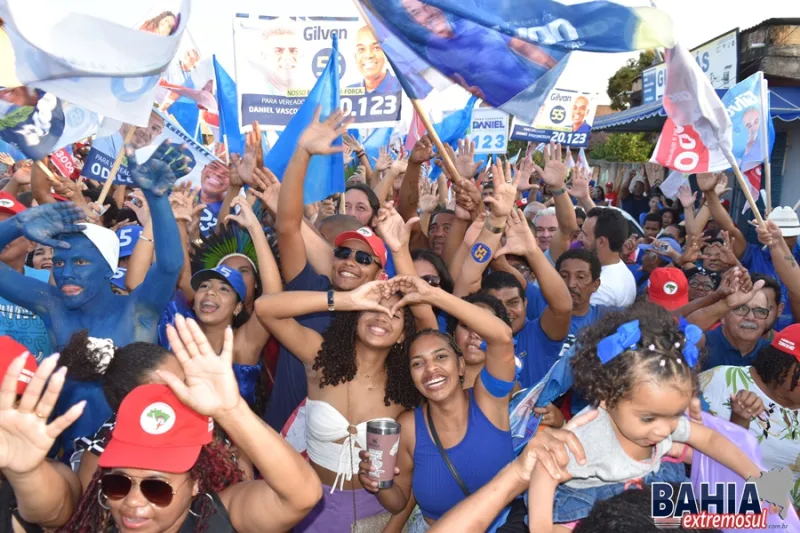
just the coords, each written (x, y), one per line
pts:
(208, 218)
(24, 326)
(759, 261)
(389, 85)
(536, 302)
(536, 351)
(291, 384)
(720, 352)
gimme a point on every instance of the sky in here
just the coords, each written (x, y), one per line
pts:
(210, 23)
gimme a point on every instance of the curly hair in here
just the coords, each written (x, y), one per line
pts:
(657, 357)
(774, 366)
(214, 470)
(337, 358)
(127, 369)
(479, 298)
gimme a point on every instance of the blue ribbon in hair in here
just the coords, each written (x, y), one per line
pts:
(693, 335)
(627, 337)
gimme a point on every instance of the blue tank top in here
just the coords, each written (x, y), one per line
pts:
(434, 486)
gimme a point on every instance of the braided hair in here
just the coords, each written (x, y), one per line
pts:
(336, 359)
(657, 357)
(214, 470)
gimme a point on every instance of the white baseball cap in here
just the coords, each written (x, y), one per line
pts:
(786, 219)
(105, 240)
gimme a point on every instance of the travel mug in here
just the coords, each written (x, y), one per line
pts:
(383, 442)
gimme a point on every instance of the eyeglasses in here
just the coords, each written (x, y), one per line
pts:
(362, 258)
(758, 312)
(705, 285)
(157, 491)
(433, 281)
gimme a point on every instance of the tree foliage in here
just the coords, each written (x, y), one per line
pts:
(627, 147)
(619, 85)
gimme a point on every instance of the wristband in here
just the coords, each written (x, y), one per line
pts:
(148, 239)
(558, 192)
(330, 300)
(360, 154)
(494, 229)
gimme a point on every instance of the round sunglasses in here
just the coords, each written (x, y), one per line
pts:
(157, 491)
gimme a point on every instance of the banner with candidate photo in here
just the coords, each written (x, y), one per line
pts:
(145, 140)
(39, 123)
(279, 58)
(565, 117)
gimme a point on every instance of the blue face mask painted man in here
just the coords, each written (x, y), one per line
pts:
(85, 258)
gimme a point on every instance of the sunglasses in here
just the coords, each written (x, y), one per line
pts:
(157, 491)
(362, 258)
(430, 279)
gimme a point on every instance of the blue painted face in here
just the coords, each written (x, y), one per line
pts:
(81, 272)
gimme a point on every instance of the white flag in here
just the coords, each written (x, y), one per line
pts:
(107, 68)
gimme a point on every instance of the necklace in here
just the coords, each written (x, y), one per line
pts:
(371, 386)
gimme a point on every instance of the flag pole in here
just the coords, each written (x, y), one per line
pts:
(768, 184)
(744, 186)
(115, 167)
(448, 163)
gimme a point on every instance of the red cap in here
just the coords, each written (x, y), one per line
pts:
(668, 288)
(788, 340)
(9, 204)
(365, 235)
(155, 431)
(10, 350)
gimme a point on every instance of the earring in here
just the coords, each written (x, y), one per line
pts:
(461, 379)
(100, 500)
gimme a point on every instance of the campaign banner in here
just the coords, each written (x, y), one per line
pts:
(565, 117)
(38, 123)
(64, 162)
(145, 140)
(682, 149)
(718, 58)
(489, 130)
(279, 58)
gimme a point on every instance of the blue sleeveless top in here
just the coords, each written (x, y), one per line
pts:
(434, 486)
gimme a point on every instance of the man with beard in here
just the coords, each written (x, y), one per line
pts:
(371, 63)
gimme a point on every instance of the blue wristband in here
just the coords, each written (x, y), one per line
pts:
(496, 387)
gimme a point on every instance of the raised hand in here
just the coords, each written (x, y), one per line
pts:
(769, 234)
(555, 171)
(42, 223)
(686, 196)
(501, 201)
(422, 151)
(367, 297)
(271, 191)
(743, 292)
(210, 386)
(525, 167)
(519, 238)
(383, 161)
(579, 188)
(354, 145)
(465, 160)
(137, 203)
(182, 201)
(25, 435)
(630, 244)
(319, 137)
(428, 195)
(167, 164)
(392, 229)
(415, 290)
(6, 159)
(665, 250)
(243, 168)
(246, 217)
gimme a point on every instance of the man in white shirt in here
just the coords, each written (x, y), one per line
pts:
(604, 233)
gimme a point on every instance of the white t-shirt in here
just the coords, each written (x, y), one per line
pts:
(617, 286)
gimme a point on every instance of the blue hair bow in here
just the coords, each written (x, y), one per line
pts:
(627, 336)
(693, 335)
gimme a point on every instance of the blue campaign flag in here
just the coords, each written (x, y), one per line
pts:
(228, 110)
(452, 128)
(749, 115)
(186, 113)
(508, 53)
(325, 174)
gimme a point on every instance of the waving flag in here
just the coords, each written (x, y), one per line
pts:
(107, 68)
(379, 137)
(325, 175)
(749, 132)
(508, 53)
(228, 109)
(415, 132)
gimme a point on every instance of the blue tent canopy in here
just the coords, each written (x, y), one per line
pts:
(784, 106)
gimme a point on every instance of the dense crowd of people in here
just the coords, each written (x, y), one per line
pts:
(163, 375)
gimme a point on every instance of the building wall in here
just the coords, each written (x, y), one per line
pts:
(790, 192)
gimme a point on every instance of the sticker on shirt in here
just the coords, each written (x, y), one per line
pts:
(481, 253)
(208, 221)
(569, 342)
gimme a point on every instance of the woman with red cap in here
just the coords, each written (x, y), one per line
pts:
(156, 471)
(34, 492)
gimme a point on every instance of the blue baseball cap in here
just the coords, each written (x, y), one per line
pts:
(230, 276)
(128, 237)
(118, 279)
(667, 240)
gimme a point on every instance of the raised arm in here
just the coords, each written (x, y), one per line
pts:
(40, 224)
(408, 199)
(154, 178)
(708, 183)
(290, 488)
(554, 175)
(710, 443)
(46, 492)
(784, 262)
(317, 139)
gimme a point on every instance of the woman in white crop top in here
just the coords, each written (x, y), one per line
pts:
(357, 371)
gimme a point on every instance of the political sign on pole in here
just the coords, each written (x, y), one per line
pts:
(279, 57)
(683, 149)
(718, 58)
(107, 68)
(145, 141)
(489, 130)
(38, 123)
(64, 162)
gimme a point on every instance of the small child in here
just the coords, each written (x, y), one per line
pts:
(635, 368)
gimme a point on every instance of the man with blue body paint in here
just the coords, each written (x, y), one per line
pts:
(85, 259)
